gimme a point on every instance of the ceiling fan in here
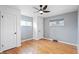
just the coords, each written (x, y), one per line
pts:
(42, 9)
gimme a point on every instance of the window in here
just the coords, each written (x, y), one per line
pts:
(52, 23)
(26, 23)
(61, 23)
(56, 22)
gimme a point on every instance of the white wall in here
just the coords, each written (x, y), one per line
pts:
(37, 27)
(40, 26)
(34, 27)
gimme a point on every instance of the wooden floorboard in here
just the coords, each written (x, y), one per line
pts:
(42, 47)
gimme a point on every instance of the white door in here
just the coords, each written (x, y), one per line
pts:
(8, 31)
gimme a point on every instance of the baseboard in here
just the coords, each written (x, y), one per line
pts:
(48, 39)
(26, 40)
(37, 38)
(18, 45)
(31, 39)
(68, 43)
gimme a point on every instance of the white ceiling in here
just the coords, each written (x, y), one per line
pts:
(28, 10)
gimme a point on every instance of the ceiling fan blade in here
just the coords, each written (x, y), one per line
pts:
(41, 6)
(46, 11)
(44, 8)
(35, 8)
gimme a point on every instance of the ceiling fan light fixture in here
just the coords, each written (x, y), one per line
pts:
(41, 12)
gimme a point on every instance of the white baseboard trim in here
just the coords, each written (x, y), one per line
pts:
(68, 43)
(31, 39)
(26, 40)
(37, 38)
(18, 45)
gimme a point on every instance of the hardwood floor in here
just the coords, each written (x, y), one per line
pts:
(42, 47)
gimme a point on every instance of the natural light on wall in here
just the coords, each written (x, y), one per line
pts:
(26, 23)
